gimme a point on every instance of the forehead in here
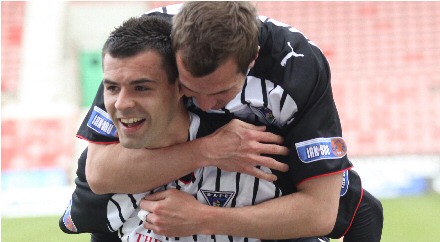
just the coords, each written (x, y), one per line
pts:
(145, 64)
(224, 77)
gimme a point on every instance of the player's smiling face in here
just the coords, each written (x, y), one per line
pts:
(139, 99)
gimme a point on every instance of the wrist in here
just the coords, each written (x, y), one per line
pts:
(209, 222)
(202, 153)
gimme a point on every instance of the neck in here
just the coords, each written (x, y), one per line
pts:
(183, 123)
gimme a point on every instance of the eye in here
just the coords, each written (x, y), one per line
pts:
(111, 88)
(141, 88)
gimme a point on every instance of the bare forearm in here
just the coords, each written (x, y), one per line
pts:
(293, 216)
(265, 222)
(115, 169)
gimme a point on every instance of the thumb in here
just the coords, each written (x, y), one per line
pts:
(160, 195)
(149, 200)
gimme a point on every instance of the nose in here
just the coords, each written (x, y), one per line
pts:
(124, 101)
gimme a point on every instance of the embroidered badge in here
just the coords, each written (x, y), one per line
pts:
(101, 122)
(67, 219)
(265, 114)
(217, 199)
(321, 149)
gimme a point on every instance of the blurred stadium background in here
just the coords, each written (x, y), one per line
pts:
(385, 75)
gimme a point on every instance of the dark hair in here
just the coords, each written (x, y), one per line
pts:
(207, 33)
(145, 33)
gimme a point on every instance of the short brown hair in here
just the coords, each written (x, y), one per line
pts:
(206, 34)
(145, 33)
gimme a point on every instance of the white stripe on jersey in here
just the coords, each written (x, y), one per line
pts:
(119, 207)
(211, 186)
(264, 101)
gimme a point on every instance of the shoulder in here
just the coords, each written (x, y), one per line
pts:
(284, 46)
(273, 32)
(288, 57)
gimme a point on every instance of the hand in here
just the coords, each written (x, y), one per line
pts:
(238, 146)
(173, 213)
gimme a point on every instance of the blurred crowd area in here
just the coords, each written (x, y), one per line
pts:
(385, 77)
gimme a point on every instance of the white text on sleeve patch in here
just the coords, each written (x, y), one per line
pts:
(321, 149)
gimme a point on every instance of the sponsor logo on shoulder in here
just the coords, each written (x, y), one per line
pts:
(321, 149)
(101, 122)
(217, 199)
(67, 219)
(288, 56)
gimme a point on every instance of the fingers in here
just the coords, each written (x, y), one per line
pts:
(261, 136)
(265, 143)
(266, 162)
(148, 223)
(271, 149)
(157, 196)
(270, 163)
(149, 226)
(148, 202)
(258, 173)
(144, 216)
(268, 137)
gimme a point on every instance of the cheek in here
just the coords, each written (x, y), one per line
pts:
(108, 103)
(187, 93)
(111, 110)
(170, 97)
(227, 98)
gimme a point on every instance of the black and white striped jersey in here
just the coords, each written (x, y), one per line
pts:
(209, 185)
(289, 90)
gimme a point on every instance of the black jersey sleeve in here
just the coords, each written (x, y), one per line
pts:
(313, 130)
(86, 211)
(97, 126)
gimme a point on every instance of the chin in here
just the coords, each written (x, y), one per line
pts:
(131, 145)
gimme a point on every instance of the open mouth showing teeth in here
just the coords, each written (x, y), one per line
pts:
(131, 122)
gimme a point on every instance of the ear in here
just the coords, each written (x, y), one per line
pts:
(179, 89)
(256, 56)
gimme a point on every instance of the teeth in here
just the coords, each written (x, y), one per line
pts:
(130, 120)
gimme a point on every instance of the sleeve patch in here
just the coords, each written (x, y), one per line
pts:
(321, 149)
(101, 122)
(67, 219)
